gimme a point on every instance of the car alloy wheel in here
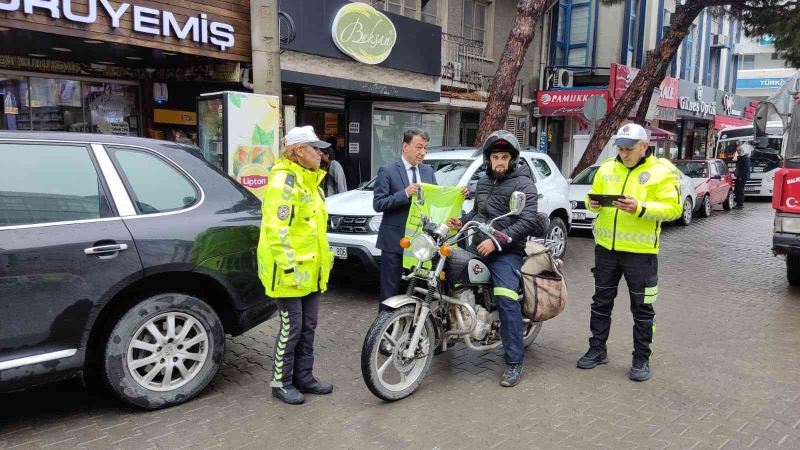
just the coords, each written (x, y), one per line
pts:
(167, 351)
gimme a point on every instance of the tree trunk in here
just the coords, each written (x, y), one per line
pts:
(501, 88)
(646, 80)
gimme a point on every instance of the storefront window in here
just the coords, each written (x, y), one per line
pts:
(58, 104)
(15, 114)
(388, 128)
(111, 108)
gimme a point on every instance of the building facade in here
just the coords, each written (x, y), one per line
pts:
(762, 69)
(596, 50)
(115, 68)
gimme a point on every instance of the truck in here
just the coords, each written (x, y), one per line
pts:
(786, 189)
(765, 161)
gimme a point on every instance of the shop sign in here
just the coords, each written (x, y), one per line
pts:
(144, 20)
(697, 105)
(354, 127)
(363, 33)
(354, 148)
(224, 72)
(666, 114)
(622, 76)
(760, 83)
(175, 117)
(567, 102)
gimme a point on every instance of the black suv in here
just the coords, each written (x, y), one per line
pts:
(122, 259)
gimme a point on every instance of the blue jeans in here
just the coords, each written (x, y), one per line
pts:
(505, 268)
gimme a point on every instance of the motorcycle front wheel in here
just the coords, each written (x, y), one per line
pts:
(389, 375)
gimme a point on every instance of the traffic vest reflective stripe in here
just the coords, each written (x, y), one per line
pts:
(504, 292)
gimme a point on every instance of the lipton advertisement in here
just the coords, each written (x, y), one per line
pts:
(253, 122)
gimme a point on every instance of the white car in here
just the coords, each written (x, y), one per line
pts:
(582, 218)
(353, 224)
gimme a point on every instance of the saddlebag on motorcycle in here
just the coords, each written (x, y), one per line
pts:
(544, 287)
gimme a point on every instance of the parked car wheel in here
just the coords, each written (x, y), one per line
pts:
(729, 201)
(705, 207)
(793, 269)
(557, 232)
(164, 351)
(688, 212)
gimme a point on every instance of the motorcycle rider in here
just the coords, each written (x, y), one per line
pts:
(503, 176)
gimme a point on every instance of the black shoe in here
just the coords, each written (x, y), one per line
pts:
(317, 387)
(738, 207)
(640, 369)
(288, 394)
(512, 375)
(593, 358)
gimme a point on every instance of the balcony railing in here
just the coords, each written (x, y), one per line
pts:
(463, 63)
(466, 73)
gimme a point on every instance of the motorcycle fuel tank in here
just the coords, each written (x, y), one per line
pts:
(478, 272)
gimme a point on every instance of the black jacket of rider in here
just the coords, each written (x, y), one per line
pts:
(492, 196)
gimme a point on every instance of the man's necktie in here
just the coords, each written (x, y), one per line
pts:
(414, 174)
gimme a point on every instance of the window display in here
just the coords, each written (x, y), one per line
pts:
(59, 104)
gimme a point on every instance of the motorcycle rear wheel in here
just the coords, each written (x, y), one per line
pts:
(393, 377)
(530, 333)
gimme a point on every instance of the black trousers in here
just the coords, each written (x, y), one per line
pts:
(641, 274)
(738, 190)
(391, 271)
(293, 362)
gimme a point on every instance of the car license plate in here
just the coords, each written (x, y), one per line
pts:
(578, 216)
(339, 252)
(751, 189)
(758, 169)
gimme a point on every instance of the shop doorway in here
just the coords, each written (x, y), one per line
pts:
(469, 128)
(555, 142)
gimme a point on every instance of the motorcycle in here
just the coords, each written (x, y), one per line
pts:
(449, 298)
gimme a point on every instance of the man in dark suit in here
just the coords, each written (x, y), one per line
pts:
(742, 175)
(396, 184)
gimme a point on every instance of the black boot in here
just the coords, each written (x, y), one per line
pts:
(512, 375)
(316, 387)
(593, 358)
(640, 369)
(288, 394)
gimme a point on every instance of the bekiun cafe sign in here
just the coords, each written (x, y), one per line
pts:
(145, 20)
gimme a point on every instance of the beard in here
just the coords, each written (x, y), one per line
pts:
(499, 173)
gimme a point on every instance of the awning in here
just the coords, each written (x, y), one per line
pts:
(722, 122)
(660, 135)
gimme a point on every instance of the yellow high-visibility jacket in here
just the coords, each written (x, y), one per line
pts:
(294, 259)
(655, 184)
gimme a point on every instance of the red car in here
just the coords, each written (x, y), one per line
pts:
(713, 183)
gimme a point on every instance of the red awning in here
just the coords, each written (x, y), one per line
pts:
(659, 135)
(722, 122)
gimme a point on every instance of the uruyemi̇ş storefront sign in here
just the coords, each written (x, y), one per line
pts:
(144, 20)
(363, 33)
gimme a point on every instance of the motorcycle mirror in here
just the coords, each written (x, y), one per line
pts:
(517, 202)
(420, 196)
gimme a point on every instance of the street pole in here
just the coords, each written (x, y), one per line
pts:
(265, 43)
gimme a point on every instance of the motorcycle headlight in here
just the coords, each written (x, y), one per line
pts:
(375, 223)
(423, 247)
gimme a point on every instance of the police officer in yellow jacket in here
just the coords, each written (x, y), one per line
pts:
(627, 237)
(294, 261)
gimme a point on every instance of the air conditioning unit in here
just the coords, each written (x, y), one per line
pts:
(719, 40)
(562, 78)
